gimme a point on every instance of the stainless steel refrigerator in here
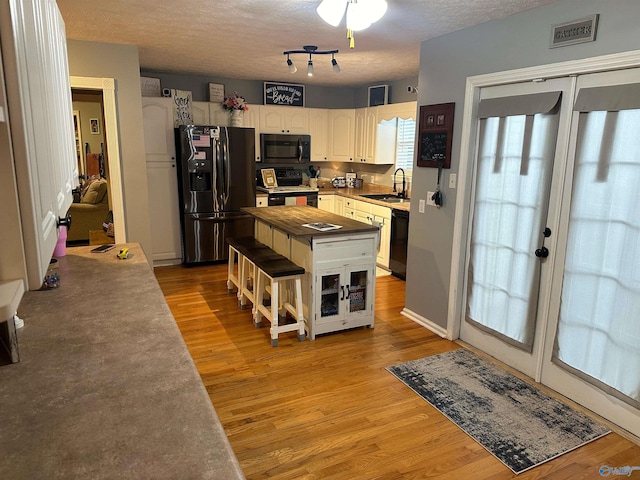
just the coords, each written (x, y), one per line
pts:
(216, 178)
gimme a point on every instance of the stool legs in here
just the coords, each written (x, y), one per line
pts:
(291, 286)
(232, 278)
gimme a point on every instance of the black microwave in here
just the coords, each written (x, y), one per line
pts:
(285, 148)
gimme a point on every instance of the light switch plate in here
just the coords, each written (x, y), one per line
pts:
(421, 206)
(430, 201)
(452, 180)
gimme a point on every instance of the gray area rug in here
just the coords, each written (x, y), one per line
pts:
(517, 423)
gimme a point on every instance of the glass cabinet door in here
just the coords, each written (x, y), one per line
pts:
(357, 290)
(330, 294)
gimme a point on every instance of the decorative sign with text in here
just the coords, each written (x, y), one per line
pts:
(577, 31)
(283, 94)
(182, 107)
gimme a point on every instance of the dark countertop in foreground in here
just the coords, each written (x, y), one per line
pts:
(290, 218)
(106, 387)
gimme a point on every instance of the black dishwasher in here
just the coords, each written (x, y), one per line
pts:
(399, 240)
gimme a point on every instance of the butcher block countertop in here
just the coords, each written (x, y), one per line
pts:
(290, 218)
(105, 387)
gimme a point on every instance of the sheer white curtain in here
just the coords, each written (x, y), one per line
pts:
(512, 187)
(599, 326)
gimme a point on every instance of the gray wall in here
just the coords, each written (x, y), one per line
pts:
(252, 90)
(445, 62)
(315, 97)
(91, 59)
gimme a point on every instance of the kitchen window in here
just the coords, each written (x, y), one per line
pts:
(405, 143)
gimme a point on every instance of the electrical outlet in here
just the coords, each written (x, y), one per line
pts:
(452, 180)
(430, 201)
(421, 205)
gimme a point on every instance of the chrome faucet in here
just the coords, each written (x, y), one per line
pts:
(404, 185)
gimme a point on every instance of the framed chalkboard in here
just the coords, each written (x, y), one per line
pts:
(435, 131)
(433, 146)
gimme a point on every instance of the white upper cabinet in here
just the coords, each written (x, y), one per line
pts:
(318, 127)
(200, 112)
(403, 110)
(365, 136)
(252, 119)
(279, 119)
(341, 133)
(41, 117)
(157, 119)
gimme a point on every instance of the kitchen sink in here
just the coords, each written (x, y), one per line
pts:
(385, 197)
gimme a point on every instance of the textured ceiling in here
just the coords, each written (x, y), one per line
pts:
(245, 38)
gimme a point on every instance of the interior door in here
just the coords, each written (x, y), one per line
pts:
(518, 167)
(592, 350)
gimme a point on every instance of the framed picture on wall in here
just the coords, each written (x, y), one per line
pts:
(94, 126)
(378, 95)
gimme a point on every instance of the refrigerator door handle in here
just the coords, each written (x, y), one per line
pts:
(226, 167)
(215, 173)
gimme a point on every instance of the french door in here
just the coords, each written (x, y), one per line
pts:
(553, 270)
(517, 181)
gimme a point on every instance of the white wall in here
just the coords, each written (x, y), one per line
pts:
(90, 59)
(517, 41)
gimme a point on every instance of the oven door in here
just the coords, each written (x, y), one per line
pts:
(293, 198)
(276, 148)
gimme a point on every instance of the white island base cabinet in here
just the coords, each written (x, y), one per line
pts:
(339, 283)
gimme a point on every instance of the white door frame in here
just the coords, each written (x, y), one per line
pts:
(457, 292)
(108, 88)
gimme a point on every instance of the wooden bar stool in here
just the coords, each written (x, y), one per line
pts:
(279, 275)
(238, 250)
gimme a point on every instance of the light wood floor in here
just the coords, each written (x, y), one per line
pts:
(328, 409)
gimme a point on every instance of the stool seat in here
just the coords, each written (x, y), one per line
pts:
(279, 266)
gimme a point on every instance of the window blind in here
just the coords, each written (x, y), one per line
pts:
(405, 142)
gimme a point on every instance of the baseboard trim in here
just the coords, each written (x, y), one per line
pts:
(426, 323)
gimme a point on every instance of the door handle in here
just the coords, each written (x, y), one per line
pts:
(543, 252)
(342, 289)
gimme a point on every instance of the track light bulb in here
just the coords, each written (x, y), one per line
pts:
(310, 68)
(336, 67)
(292, 67)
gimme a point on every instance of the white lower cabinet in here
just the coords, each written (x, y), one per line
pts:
(370, 213)
(339, 283)
(326, 202)
(343, 295)
(338, 205)
(164, 212)
(262, 201)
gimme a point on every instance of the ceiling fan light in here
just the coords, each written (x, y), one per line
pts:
(310, 68)
(357, 18)
(331, 11)
(376, 9)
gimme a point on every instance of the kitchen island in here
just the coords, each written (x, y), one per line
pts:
(338, 288)
(105, 386)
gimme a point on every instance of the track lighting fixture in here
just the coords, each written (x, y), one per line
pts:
(311, 50)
